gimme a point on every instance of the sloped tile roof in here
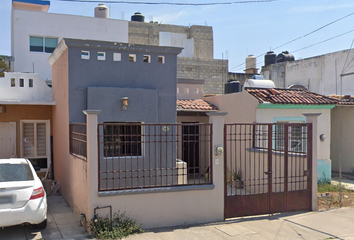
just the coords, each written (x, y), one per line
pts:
(194, 104)
(289, 96)
(344, 99)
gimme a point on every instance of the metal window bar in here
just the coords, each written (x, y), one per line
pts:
(137, 155)
(77, 139)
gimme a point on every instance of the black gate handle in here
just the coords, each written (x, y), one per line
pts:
(267, 173)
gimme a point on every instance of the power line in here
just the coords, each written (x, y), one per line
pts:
(307, 34)
(171, 3)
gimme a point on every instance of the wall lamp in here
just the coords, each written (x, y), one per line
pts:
(322, 137)
(125, 103)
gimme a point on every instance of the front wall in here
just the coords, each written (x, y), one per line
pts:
(15, 113)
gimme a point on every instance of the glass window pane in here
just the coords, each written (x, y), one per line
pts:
(36, 44)
(50, 44)
(15, 172)
(41, 139)
(30, 82)
(28, 140)
(22, 82)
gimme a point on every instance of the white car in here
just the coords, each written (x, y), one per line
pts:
(22, 196)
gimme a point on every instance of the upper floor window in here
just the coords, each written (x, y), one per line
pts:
(13, 82)
(101, 56)
(85, 55)
(30, 82)
(43, 44)
(132, 58)
(161, 59)
(117, 57)
(22, 82)
(146, 58)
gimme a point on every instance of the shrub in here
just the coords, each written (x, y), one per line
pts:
(119, 227)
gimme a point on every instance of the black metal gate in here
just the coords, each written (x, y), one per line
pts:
(267, 168)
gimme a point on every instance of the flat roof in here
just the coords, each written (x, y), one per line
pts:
(39, 2)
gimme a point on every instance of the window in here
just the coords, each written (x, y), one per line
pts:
(146, 58)
(117, 57)
(161, 59)
(43, 44)
(101, 56)
(132, 58)
(296, 136)
(196, 91)
(13, 82)
(122, 140)
(35, 141)
(177, 90)
(186, 91)
(30, 82)
(22, 82)
(85, 55)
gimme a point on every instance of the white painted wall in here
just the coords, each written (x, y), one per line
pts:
(32, 23)
(324, 124)
(40, 92)
(178, 40)
(319, 74)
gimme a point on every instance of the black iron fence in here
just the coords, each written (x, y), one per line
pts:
(78, 144)
(136, 155)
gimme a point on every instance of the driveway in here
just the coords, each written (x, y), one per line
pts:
(62, 224)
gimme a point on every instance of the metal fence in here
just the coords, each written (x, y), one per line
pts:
(136, 155)
(78, 144)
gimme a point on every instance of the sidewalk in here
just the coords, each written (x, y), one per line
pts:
(333, 224)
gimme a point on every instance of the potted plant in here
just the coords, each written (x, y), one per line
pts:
(237, 176)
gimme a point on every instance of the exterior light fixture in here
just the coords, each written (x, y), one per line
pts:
(322, 137)
(125, 103)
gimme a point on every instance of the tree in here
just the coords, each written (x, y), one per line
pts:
(3, 67)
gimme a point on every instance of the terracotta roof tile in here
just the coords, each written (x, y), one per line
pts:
(194, 104)
(344, 99)
(289, 96)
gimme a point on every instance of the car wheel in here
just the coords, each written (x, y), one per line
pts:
(41, 225)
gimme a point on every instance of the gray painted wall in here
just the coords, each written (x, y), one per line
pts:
(100, 85)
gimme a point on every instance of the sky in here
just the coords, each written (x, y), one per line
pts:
(240, 29)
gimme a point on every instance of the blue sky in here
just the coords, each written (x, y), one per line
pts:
(239, 29)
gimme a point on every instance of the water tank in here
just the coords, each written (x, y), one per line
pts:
(138, 17)
(232, 86)
(270, 58)
(254, 83)
(285, 56)
(251, 62)
(101, 11)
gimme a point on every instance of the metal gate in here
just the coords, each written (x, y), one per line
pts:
(267, 168)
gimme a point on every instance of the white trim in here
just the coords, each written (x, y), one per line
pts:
(117, 57)
(86, 57)
(19, 102)
(48, 153)
(101, 58)
(133, 56)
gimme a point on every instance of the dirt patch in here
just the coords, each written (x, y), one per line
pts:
(330, 200)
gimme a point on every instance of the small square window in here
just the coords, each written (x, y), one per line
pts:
(22, 82)
(13, 82)
(177, 90)
(117, 57)
(132, 58)
(85, 55)
(186, 91)
(161, 59)
(30, 82)
(101, 56)
(146, 58)
(196, 91)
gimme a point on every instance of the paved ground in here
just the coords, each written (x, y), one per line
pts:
(332, 224)
(62, 224)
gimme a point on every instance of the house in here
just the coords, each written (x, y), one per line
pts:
(36, 33)
(26, 118)
(275, 105)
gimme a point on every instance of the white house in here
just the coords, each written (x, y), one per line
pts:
(36, 33)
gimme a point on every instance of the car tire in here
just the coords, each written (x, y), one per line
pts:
(41, 225)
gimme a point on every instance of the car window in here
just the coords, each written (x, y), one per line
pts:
(15, 172)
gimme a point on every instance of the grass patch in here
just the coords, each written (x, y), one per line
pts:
(117, 228)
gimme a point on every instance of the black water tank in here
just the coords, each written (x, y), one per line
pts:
(232, 86)
(270, 58)
(138, 17)
(285, 56)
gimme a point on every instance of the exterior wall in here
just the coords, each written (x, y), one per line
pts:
(241, 107)
(40, 92)
(141, 82)
(342, 133)
(324, 127)
(318, 74)
(198, 63)
(33, 23)
(15, 113)
(189, 91)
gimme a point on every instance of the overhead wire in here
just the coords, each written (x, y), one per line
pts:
(171, 3)
(346, 59)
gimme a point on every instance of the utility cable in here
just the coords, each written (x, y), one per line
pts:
(171, 3)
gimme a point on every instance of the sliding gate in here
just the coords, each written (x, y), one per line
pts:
(267, 168)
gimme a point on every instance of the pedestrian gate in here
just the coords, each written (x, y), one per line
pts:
(267, 168)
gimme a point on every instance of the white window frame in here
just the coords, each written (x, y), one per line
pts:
(48, 152)
(148, 58)
(43, 42)
(162, 58)
(132, 56)
(117, 57)
(86, 57)
(101, 58)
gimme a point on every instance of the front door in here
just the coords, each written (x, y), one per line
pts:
(190, 136)
(7, 140)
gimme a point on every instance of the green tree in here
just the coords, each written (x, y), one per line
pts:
(3, 67)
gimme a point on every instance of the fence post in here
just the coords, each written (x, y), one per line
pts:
(217, 119)
(92, 160)
(313, 118)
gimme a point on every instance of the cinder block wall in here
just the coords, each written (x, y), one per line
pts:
(201, 66)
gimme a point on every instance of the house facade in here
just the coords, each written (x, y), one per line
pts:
(26, 118)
